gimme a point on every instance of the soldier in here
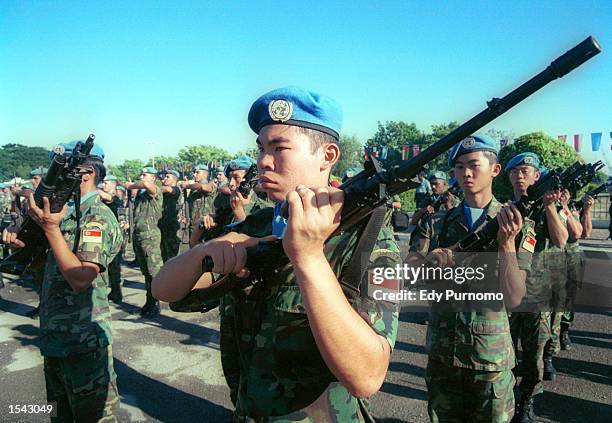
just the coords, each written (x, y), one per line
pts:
(300, 315)
(439, 187)
(532, 325)
(7, 199)
(229, 208)
(469, 372)
(201, 195)
(169, 224)
(146, 240)
(109, 196)
(423, 191)
(75, 322)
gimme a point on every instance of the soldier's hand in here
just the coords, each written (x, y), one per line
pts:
(208, 222)
(43, 217)
(551, 197)
(565, 197)
(313, 216)
(228, 252)
(430, 209)
(9, 236)
(238, 201)
(588, 202)
(510, 224)
(441, 257)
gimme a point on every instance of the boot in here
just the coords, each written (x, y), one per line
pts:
(115, 295)
(566, 342)
(33, 314)
(550, 373)
(151, 307)
(524, 411)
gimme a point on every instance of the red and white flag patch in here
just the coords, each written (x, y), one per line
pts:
(382, 287)
(529, 243)
(92, 235)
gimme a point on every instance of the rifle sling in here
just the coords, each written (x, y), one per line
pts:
(351, 279)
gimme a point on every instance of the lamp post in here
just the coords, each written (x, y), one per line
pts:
(152, 144)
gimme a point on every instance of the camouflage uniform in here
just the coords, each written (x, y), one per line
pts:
(114, 268)
(200, 204)
(532, 326)
(265, 332)
(169, 225)
(147, 238)
(75, 328)
(469, 375)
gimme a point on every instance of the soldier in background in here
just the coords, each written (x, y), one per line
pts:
(439, 187)
(75, 323)
(200, 196)
(108, 195)
(169, 224)
(148, 206)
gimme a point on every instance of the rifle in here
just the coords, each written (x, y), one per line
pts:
(61, 182)
(573, 178)
(372, 187)
(592, 193)
(186, 219)
(130, 211)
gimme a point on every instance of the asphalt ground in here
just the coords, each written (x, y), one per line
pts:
(169, 368)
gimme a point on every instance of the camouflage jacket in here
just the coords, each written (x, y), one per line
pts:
(169, 220)
(147, 210)
(75, 323)
(269, 356)
(478, 340)
(200, 204)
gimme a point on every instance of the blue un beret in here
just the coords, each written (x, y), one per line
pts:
(69, 146)
(438, 174)
(149, 169)
(543, 171)
(471, 144)
(240, 162)
(202, 166)
(298, 107)
(39, 171)
(173, 172)
(530, 159)
(110, 177)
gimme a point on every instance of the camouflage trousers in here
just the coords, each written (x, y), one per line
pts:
(533, 331)
(148, 254)
(114, 270)
(170, 244)
(458, 395)
(83, 386)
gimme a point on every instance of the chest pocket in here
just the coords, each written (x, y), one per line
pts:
(289, 319)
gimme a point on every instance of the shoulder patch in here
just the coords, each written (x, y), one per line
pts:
(92, 235)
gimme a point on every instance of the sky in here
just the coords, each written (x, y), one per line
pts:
(150, 77)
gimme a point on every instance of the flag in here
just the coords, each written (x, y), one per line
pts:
(404, 149)
(595, 141)
(577, 142)
(562, 138)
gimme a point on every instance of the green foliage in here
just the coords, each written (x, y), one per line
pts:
(395, 134)
(252, 152)
(129, 168)
(196, 154)
(350, 154)
(17, 159)
(552, 152)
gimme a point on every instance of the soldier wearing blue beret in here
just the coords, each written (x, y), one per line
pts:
(108, 194)
(469, 370)
(298, 133)
(533, 327)
(75, 324)
(169, 223)
(201, 195)
(148, 207)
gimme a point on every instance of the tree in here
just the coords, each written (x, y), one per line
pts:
(350, 154)
(195, 154)
(129, 168)
(17, 159)
(394, 135)
(552, 153)
(437, 132)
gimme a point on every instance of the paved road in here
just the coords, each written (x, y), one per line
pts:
(169, 368)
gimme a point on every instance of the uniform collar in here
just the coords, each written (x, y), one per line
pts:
(457, 214)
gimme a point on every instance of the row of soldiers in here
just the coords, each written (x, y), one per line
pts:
(472, 355)
(309, 341)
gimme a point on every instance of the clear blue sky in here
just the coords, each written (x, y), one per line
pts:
(185, 72)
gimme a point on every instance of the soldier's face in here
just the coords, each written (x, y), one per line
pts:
(147, 177)
(109, 186)
(523, 176)
(236, 176)
(438, 186)
(474, 172)
(169, 180)
(285, 161)
(35, 180)
(200, 175)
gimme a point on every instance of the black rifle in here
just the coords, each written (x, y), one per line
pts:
(592, 193)
(8, 219)
(61, 183)
(573, 179)
(372, 187)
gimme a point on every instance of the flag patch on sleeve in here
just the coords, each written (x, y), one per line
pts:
(92, 235)
(381, 287)
(529, 243)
